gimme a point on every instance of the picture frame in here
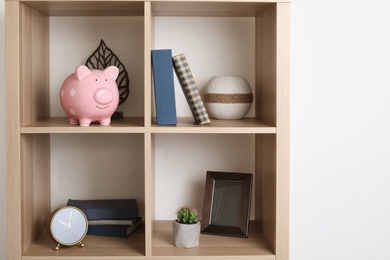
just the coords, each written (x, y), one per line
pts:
(226, 206)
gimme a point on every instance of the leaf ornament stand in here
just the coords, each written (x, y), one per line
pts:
(104, 57)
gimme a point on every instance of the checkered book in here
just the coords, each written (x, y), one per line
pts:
(190, 89)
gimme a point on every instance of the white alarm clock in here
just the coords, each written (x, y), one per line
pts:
(68, 226)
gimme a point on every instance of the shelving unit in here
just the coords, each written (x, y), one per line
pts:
(31, 128)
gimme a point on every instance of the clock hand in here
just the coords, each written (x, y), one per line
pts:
(70, 218)
(63, 223)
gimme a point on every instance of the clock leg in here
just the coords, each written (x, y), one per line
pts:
(81, 244)
(57, 247)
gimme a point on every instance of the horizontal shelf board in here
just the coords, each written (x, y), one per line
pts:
(253, 247)
(242, 126)
(55, 125)
(134, 245)
(88, 8)
(160, 7)
(207, 8)
(60, 125)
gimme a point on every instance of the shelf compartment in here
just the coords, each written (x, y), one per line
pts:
(61, 125)
(246, 125)
(95, 246)
(41, 73)
(215, 247)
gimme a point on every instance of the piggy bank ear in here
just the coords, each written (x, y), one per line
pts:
(112, 71)
(82, 71)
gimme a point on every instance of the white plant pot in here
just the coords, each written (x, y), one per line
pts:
(186, 235)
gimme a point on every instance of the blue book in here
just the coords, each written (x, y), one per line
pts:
(107, 209)
(164, 90)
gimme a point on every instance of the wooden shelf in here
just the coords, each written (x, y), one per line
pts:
(57, 125)
(60, 125)
(243, 126)
(212, 246)
(32, 152)
(132, 246)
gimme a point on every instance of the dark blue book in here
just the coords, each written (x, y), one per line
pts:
(107, 209)
(113, 230)
(164, 90)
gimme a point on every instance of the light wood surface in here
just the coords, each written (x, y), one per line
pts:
(211, 246)
(29, 127)
(12, 127)
(58, 125)
(255, 246)
(94, 246)
(283, 131)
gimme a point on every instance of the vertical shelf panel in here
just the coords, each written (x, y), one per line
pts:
(34, 98)
(272, 151)
(34, 65)
(283, 130)
(265, 185)
(147, 61)
(35, 186)
(12, 128)
(149, 171)
(149, 193)
(266, 66)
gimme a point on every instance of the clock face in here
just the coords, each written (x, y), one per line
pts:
(69, 226)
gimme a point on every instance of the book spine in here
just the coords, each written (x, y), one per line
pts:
(190, 89)
(107, 209)
(164, 89)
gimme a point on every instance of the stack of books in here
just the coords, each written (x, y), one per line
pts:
(118, 218)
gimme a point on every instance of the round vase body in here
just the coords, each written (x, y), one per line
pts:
(186, 235)
(228, 97)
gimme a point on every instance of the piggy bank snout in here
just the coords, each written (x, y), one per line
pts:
(103, 96)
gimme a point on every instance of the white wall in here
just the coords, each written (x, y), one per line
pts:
(340, 142)
(340, 89)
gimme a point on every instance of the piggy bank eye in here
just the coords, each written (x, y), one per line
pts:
(95, 79)
(106, 79)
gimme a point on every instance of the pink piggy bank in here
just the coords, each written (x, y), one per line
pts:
(90, 95)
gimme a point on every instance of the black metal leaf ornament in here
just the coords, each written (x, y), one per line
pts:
(103, 57)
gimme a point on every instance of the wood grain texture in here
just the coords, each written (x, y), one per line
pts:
(34, 96)
(283, 131)
(56, 125)
(148, 29)
(212, 246)
(266, 66)
(34, 65)
(14, 205)
(96, 247)
(149, 193)
(272, 151)
(35, 183)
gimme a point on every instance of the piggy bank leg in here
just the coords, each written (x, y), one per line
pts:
(73, 121)
(85, 122)
(105, 121)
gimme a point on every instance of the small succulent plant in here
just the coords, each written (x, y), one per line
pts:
(187, 215)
